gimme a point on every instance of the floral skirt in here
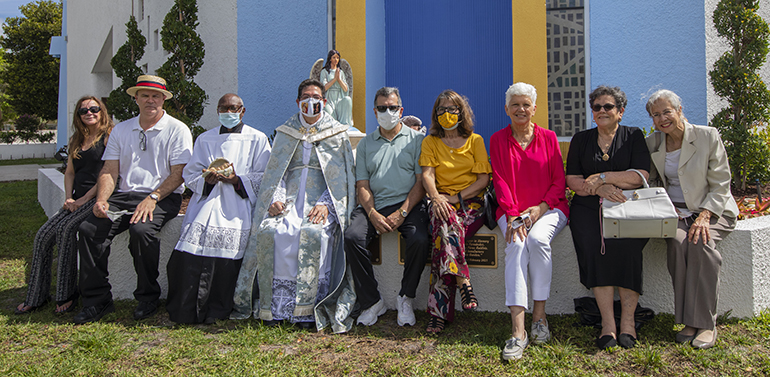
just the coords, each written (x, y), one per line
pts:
(448, 259)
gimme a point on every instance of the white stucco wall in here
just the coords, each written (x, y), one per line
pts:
(716, 46)
(87, 34)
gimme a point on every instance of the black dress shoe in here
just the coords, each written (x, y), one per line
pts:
(93, 313)
(607, 341)
(145, 309)
(626, 341)
(306, 325)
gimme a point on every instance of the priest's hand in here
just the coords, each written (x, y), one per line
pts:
(231, 179)
(318, 214)
(211, 177)
(276, 209)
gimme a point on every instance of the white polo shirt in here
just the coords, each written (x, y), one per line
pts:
(169, 142)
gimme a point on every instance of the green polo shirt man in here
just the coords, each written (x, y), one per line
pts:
(391, 198)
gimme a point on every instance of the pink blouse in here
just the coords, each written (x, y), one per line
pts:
(525, 178)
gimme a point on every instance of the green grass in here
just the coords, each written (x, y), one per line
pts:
(42, 344)
(29, 161)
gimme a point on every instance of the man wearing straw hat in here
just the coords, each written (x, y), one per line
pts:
(139, 189)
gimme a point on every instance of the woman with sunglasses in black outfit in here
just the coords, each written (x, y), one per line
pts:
(597, 165)
(92, 125)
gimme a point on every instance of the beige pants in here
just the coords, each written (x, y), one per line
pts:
(694, 270)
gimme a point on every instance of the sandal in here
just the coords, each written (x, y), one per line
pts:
(23, 308)
(435, 325)
(468, 298)
(72, 300)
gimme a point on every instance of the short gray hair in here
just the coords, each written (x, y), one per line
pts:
(664, 94)
(614, 92)
(386, 91)
(521, 89)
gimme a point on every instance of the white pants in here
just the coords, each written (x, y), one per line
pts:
(532, 255)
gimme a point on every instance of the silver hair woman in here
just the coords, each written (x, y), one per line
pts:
(692, 164)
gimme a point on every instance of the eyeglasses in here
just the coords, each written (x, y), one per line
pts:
(382, 109)
(451, 109)
(142, 141)
(229, 109)
(666, 113)
(92, 109)
(606, 106)
(313, 97)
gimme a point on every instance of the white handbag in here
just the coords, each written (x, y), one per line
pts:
(646, 213)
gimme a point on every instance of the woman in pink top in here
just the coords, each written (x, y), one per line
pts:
(528, 174)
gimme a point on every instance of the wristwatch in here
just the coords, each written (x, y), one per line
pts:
(603, 177)
(155, 197)
(403, 212)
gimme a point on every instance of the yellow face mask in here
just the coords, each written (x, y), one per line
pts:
(448, 121)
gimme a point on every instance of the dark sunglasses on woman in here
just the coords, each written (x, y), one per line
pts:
(92, 109)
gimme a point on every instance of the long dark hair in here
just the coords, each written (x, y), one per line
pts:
(81, 132)
(327, 66)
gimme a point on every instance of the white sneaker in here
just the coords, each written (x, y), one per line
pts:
(405, 311)
(514, 348)
(369, 316)
(540, 332)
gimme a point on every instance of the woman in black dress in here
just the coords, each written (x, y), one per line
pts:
(91, 127)
(597, 165)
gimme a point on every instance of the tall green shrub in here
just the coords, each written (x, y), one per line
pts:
(31, 74)
(187, 52)
(735, 78)
(120, 104)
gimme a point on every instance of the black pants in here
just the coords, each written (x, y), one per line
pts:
(200, 287)
(359, 234)
(96, 236)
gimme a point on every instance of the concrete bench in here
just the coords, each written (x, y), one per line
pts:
(744, 289)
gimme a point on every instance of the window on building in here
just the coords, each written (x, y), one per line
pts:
(566, 66)
(155, 39)
(141, 9)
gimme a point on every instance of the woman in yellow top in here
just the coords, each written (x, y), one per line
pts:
(455, 170)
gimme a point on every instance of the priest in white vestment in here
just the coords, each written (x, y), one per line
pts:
(295, 249)
(224, 174)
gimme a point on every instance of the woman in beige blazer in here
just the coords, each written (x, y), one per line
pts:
(691, 163)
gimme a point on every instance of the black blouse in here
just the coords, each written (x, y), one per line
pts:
(627, 151)
(87, 168)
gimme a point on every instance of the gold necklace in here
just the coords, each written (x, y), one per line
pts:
(605, 149)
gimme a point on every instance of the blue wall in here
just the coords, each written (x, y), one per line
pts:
(639, 47)
(278, 42)
(375, 57)
(466, 46)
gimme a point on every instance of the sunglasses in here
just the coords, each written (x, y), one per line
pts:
(606, 106)
(382, 109)
(142, 141)
(92, 109)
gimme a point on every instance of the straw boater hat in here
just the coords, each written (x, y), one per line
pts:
(149, 82)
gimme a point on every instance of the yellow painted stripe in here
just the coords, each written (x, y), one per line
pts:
(530, 62)
(351, 43)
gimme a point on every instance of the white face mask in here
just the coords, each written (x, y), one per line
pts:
(311, 107)
(229, 120)
(388, 119)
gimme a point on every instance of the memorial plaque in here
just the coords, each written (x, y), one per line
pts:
(480, 251)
